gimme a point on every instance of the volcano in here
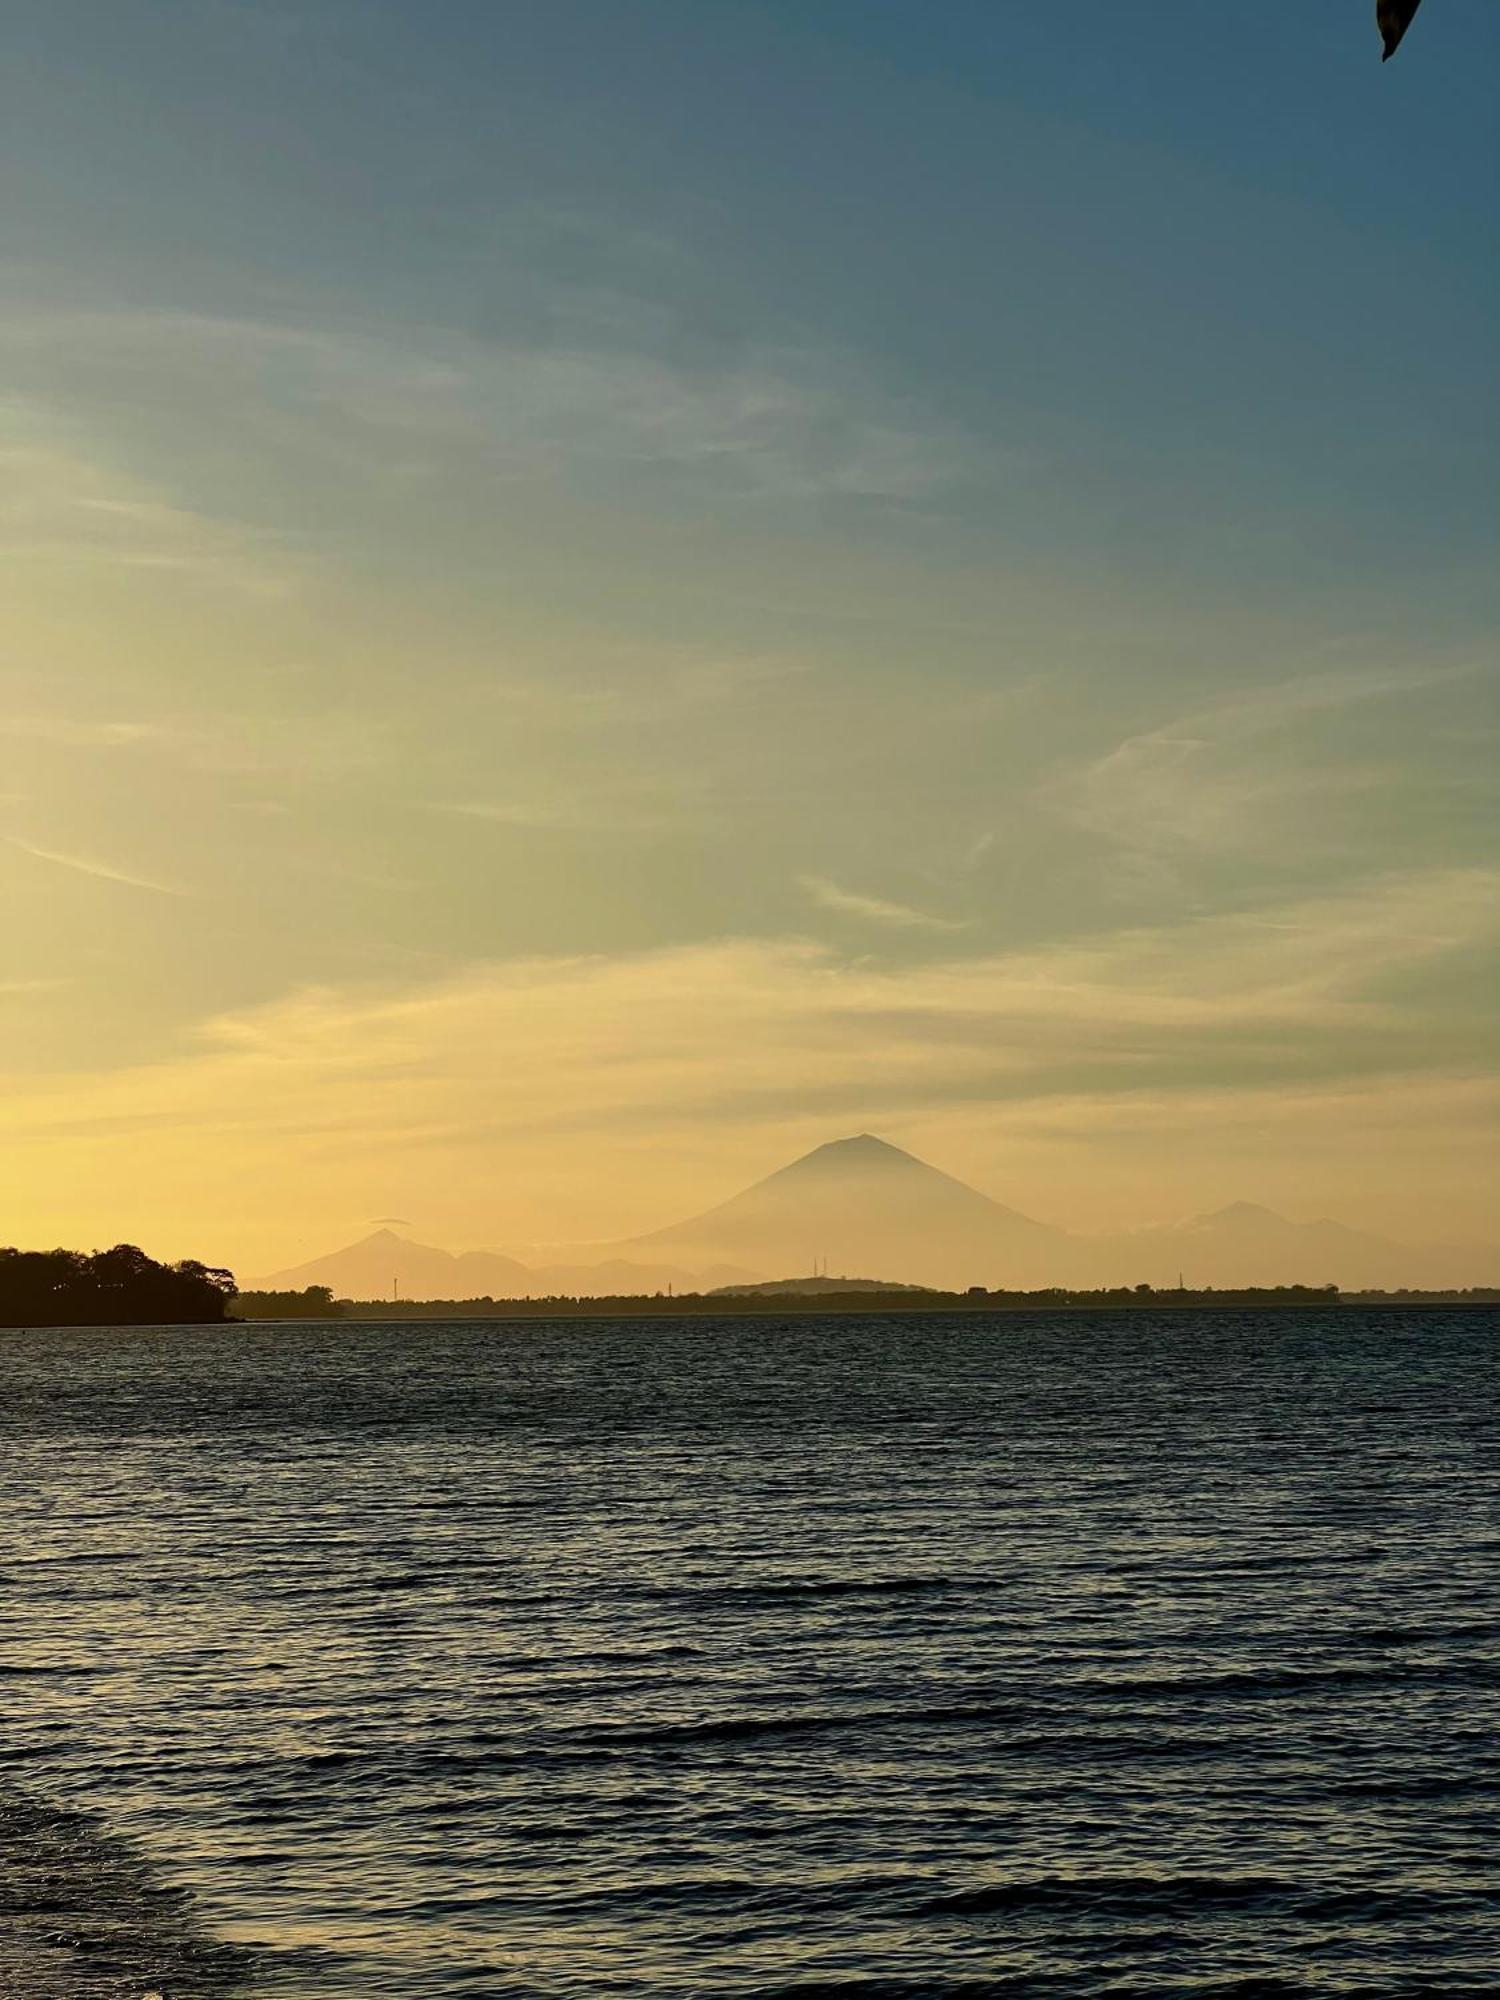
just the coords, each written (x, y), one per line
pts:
(865, 1208)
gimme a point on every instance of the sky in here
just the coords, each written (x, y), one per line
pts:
(599, 594)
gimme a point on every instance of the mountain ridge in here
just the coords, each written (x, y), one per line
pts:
(384, 1265)
(861, 1203)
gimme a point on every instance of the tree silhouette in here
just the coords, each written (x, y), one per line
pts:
(118, 1287)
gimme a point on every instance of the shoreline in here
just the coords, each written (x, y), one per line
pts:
(83, 1916)
(514, 1312)
(520, 1312)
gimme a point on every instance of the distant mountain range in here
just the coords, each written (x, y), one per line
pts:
(386, 1265)
(862, 1205)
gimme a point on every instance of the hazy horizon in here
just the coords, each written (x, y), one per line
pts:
(859, 1207)
(598, 596)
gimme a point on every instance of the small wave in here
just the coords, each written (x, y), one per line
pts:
(854, 1586)
(326, 1760)
(809, 1589)
(1031, 1985)
(1422, 1635)
(1121, 1895)
(1240, 1681)
(1420, 1785)
(1358, 1906)
(1159, 1895)
(728, 1728)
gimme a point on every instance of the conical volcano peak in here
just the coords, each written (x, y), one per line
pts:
(863, 1168)
(863, 1205)
(862, 1151)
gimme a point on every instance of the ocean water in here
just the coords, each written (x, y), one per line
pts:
(912, 1656)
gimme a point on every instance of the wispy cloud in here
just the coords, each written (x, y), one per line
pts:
(66, 505)
(607, 803)
(102, 871)
(1299, 1027)
(411, 405)
(78, 733)
(1246, 772)
(874, 909)
(534, 816)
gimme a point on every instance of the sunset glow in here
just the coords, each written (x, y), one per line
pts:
(600, 598)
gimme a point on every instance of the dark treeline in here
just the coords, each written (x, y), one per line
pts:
(119, 1287)
(314, 1302)
(686, 1305)
(1467, 1295)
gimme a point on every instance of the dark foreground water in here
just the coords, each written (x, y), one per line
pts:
(1073, 1656)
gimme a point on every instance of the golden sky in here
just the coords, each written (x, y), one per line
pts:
(589, 609)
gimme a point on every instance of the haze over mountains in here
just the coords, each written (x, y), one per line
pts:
(866, 1208)
(385, 1265)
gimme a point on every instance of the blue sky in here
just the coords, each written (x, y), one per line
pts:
(989, 505)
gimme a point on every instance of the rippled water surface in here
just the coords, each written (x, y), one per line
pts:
(910, 1656)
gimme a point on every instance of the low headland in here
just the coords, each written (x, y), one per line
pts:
(118, 1287)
